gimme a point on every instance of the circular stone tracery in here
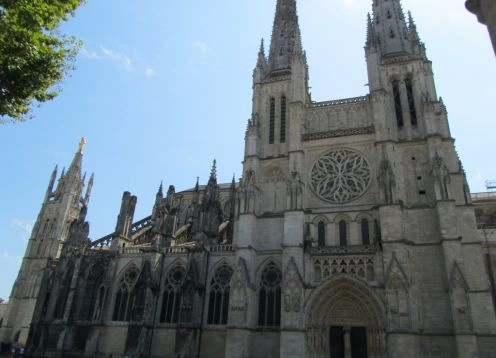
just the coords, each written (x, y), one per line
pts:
(340, 176)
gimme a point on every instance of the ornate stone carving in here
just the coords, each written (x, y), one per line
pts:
(340, 176)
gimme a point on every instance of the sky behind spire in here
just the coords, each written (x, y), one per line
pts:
(162, 88)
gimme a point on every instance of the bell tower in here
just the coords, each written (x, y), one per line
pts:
(59, 208)
(280, 93)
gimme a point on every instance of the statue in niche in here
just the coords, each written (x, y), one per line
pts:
(248, 191)
(295, 191)
(441, 175)
(386, 180)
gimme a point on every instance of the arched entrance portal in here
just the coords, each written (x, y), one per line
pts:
(345, 320)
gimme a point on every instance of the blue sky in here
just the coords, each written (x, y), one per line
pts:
(163, 87)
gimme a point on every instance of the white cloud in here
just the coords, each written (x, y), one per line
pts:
(122, 59)
(149, 72)
(202, 48)
(24, 226)
(89, 54)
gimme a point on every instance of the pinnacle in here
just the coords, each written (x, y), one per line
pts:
(213, 172)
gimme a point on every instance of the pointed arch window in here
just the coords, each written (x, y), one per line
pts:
(172, 296)
(343, 233)
(272, 119)
(218, 303)
(124, 299)
(321, 234)
(269, 300)
(283, 119)
(397, 103)
(364, 226)
(411, 101)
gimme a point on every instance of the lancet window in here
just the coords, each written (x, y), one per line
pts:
(397, 103)
(321, 234)
(365, 230)
(218, 304)
(343, 233)
(124, 299)
(411, 101)
(272, 120)
(172, 296)
(283, 119)
(269, 303)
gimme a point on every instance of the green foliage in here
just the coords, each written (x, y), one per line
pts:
(34, 55)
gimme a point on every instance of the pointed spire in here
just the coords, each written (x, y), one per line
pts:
(262, 60)
(286, 37)
(213, 171)
(49, 191)
(88, 189)
(196, 192)
(160, 190)
(389, 23)
(75, 168)
(370, 32)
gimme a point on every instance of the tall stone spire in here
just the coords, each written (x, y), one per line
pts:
(76, 165)
(286, 37)
(391, 29)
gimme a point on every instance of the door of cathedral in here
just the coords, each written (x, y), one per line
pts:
(345, 320)
(348, 342)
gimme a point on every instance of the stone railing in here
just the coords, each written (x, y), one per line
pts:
(220, 248)
(337, 133)
(175, 250)
(344, 250)
(340, 101)
(129, 250)
(138, 225)
(105, 241)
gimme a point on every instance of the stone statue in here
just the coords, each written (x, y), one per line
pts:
(386, 181)
(295, 191)
(441, 176)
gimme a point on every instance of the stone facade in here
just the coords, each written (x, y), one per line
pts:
(350, 233)
(485, 10)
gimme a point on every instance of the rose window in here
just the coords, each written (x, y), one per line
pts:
(340, 176)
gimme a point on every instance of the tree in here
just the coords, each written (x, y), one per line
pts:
(34, 55)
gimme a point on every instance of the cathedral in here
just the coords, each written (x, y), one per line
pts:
(351, 233)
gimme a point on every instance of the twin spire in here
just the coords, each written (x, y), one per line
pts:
(285, 43)
(390, 33)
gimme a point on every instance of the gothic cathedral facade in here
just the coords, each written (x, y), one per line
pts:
(350, 234)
